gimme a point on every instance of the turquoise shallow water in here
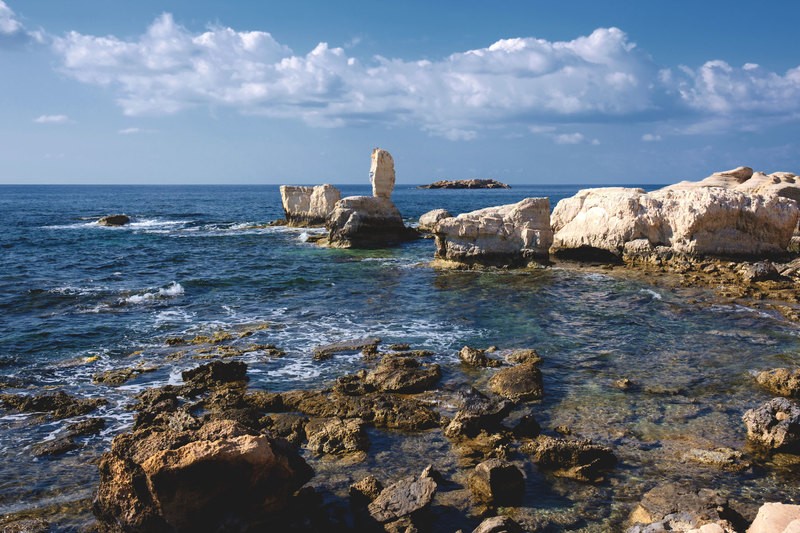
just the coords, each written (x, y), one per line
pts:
(198, 259)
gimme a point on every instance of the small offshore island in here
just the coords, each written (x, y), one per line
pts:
(473, 183)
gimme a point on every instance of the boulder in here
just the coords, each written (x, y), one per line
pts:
(497, 482)
(365, 222)
(478, 413)
(781, 381)
(407, 496)
(308, 206)
(683, 509)
(776, 518)
(427, 222)
(220, 476)
(403, 375)
(619, 223)
(327, 351)
(760, 271)
(576, 459)
(381, 173)
(114, 220)
(365, 490)
(476, 357)
(508, 235)
(215, 374)
(336, 436)
(774, 425)
(518, 383)
(498, 524)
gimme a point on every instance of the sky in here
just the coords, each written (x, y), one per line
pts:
(527, 92)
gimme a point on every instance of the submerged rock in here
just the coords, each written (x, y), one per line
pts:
(308, 206)
(508, 235)
(518, 383)
(724, 459)
(498, 524)
(476, 357)
(576, 459)
(497, 482)
(221, 475)
(403, 498)
(327, 351)
(781, 381)
(478, 413)
(114, 220)
(118, 377)
(683, 509)
(774, 425)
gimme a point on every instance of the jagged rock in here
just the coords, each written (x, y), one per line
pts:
(619, 222)
(498, 524)
(215, 374)
(527, 427)
(518, 383)
(576, 459)
(774, 425)
(57, 404)
(427, 222)
(24, 525)
(381, 409)
(118, 377)
(220, 474)
(403, 375)
(322, 353)
(86, 427)
(517, 356)
(477, 358)
(478, 413)
(57, 446)
(365, 490)
(466, 184)
(366, 222)
(289, 426)
(497, 482)
(507, 235)
(781, 381)
(743, 179)
(760, 271)
(336, 436)
(114, 220)
(403, 498)
(684, 508)
(776, 518)
(381, 173)
(682, 523)
(308, 206)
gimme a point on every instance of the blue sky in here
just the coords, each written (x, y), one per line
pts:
(613, 92)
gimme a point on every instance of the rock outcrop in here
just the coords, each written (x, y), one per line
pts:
(428, 221)
(405, 497)
(497, 482)
(114, 220)
(308, 206)
(215, 477)
(743, 179)
(508, 235)
(473, 183)
(369, 221)
(576, 459)
(774, 425)
(673, 507)
(619, 223)
(518, 383)
(776, 518)
(781, 381)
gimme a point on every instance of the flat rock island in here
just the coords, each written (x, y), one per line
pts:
(466, 184)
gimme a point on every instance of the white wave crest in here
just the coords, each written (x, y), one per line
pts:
(170, 291)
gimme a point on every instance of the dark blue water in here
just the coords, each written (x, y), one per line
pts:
(77, 299)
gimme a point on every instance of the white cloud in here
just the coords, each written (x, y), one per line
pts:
(523, 82)
(569, 138)
(651, 137)
(13, 31)
(51, 119)
(133, 131)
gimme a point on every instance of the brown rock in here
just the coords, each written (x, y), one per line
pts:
(477, 358)
(498, 524)
(322, 353)
(405, 497)
(497, 482)
(365, 490)
(576, 459)
(518, 383)
(774, 425)
(403, 375)
(698, 506)
(781, 381)
(114, 220)
(336, 436)
(57, 404)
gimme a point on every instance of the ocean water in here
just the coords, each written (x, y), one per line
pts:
(77, 299)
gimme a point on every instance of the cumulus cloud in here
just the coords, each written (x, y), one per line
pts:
(523, 82)
(651, 137)
(12, 31)
(569, 138)
(51, 119)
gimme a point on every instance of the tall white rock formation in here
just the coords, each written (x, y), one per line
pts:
(381, 173)
(308, 206)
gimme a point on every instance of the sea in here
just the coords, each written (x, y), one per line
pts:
(78, 299)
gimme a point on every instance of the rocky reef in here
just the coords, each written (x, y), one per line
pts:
(508, 235)
(308, 206)
(466, 184)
